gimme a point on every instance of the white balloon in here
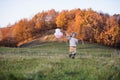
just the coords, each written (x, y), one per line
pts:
(57, 30)
(58, 33)
(61, 34)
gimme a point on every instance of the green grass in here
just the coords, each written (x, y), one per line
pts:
(50, 61)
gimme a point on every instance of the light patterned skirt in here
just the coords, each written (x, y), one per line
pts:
(72, 49)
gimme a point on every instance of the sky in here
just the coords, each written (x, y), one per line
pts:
(12, 11)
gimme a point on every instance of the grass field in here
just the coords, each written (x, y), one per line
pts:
(50, 61)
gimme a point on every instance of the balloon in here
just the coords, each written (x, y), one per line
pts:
(57, 30)
(58, 33)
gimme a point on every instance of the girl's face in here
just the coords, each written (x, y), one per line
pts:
(73, 35)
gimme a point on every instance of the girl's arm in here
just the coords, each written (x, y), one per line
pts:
(66, 34)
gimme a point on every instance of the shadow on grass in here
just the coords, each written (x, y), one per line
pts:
(11, 77)
(36, 76)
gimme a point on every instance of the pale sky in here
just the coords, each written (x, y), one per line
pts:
(12, 11)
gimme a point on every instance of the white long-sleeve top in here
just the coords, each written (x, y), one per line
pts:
(72, 41)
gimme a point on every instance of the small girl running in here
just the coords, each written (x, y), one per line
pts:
(73, 41)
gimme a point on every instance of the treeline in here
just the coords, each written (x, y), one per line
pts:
(89, 25)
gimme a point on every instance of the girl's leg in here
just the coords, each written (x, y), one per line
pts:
(73, 55)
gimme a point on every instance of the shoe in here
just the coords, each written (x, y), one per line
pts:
(73, 56)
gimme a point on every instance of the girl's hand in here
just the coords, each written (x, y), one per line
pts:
(64, 32)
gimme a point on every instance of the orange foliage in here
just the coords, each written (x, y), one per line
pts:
(88, 24)
(62, 20)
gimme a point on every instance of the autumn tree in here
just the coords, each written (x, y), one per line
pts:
(61, 20)
(111, 31)
(23, 30)
(0, 35)
(51, 19)
(71, 15)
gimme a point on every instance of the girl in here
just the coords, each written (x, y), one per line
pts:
(73, 41)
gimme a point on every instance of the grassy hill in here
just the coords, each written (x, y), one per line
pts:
(50, 61)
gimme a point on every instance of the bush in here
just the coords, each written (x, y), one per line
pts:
(8, 42)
